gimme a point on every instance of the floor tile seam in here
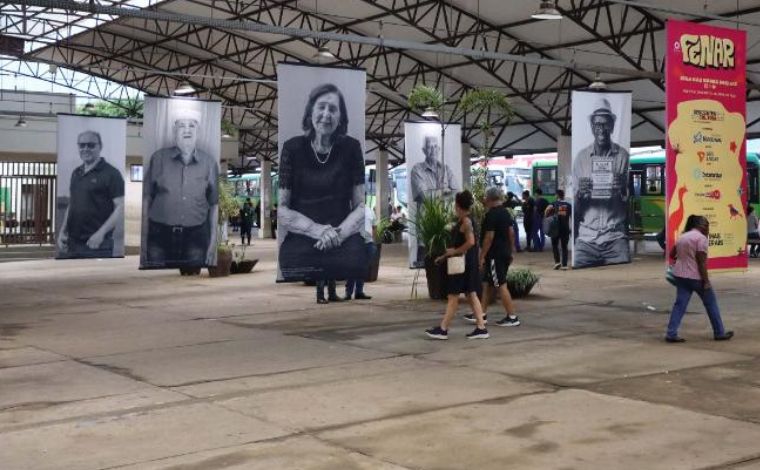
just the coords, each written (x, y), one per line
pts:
(755, 422)
(86, 359)
(5, 368)
(729, 465)
(284, 372)
(14, 408)
(668, 372)
(350, 450)
(105, 414)
(210, 449)
(560, 335)
(315, 431)
(282, 388)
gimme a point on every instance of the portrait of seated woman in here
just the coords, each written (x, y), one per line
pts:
(321, 195)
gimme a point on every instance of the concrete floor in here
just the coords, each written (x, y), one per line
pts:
(103, 366)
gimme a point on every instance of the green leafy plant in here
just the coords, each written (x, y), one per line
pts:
(228, 128)
(424, 97)
(521, 281)
(228, 206)
(128, 108)
(490, 106)
(432, 224)
(380, 228)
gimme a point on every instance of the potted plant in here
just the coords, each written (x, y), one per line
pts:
(432, 225)
(241, 265)
(520, 282)
(228, 206)
(374, 264)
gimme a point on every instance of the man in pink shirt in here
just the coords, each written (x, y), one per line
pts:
(690, 273)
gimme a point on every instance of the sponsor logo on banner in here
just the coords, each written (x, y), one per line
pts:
(705, 115)
(700, 138)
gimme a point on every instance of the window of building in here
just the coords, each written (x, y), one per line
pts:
(136, 173)
(546, 179)
(653, 179)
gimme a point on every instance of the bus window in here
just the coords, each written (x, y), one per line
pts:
(547, 180)
(635, 183)
(752, 184)
(653, 179)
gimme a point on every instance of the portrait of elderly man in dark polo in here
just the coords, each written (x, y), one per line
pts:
(600, 175)
(96, 205)
(181, 194)
(321, 195)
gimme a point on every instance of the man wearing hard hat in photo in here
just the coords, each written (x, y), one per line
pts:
(601, 195)
(181, 194)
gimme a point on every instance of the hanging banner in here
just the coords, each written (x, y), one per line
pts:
(320, 219)
(90, 195)
(180, 183)
(601, 140)
(433, 170)
(706, 167)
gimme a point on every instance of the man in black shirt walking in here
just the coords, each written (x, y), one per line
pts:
(529, 215)
(246, 221)
(496, 243)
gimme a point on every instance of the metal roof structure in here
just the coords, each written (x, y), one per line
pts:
(225, 54)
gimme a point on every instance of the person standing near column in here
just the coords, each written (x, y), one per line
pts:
(541, 204)
(563, 210)
(355, 287)
(528, 210)
(246, 221)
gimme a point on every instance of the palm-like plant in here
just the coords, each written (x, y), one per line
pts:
(432, 224)
(228, 206)
(423, 98)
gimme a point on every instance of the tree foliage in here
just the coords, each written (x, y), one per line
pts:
(127, 108)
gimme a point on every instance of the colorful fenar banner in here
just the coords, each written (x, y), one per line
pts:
(706, 157)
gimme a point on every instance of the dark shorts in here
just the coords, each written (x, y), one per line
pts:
(495, 271)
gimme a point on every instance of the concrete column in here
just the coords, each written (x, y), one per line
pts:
(466, 165)
(382, 185)
(564, 164)
(265, 186)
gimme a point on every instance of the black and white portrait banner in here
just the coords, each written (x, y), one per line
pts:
(321, 217)
(180, 183)
(90, 195)
(434, 169)
(601, 139)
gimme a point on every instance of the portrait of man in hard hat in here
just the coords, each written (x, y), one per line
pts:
(181, 196)
(600, 180)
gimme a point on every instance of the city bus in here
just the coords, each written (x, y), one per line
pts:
(646, 185)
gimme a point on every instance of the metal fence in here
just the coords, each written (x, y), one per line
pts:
(27, 203)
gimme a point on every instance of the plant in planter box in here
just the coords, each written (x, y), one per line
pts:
(378, 237)
(228, 206)
(240, 264)
(521, 281)
(432, 227)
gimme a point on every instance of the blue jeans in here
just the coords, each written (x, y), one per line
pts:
(539, 238)
(358, 284)
(684, 288)
(516, 228)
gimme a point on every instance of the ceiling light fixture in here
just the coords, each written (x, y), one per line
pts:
(323, 53)
(598, 84)
(184, 88)
(547, 10)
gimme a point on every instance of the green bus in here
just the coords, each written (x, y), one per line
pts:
(646, 185)
(249, 186)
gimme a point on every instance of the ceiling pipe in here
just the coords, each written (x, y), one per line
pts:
(157, 15)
